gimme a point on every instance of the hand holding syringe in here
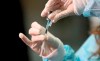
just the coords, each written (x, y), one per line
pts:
(43, 50)
(42, 41)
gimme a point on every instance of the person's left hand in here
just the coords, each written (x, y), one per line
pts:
(38, 37)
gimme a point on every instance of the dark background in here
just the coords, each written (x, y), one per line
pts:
(12, 48)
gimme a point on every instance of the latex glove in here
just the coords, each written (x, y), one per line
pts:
(38, 37)
(59, 8)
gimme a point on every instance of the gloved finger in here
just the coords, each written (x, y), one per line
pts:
(25, 39)
(34, 31)
(48, 9)
(67, 3)
(52, 15)
(51, 5)
(36, 25)
(36, 45)
(68, 12)
(38, 38)
(39, 27)
(37, 50)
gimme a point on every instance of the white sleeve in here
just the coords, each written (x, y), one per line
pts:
(87, 7)
(79, 6)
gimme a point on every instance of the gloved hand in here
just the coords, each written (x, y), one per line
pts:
(59, 8)
(38, 37)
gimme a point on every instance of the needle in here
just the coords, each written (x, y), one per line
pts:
(43, 47)
(49, 23)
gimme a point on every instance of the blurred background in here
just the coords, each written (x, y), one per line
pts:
(72, 30)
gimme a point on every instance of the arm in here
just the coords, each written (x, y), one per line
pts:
(87, 7)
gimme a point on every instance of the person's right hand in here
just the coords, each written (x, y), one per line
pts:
(59, 8)
(38, 37)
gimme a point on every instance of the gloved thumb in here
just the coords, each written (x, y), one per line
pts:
(59, 14)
